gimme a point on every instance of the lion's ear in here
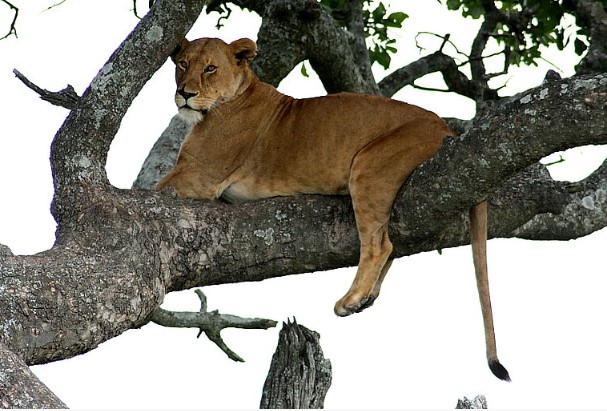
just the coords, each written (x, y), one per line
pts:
(178, 49)
(244, 49)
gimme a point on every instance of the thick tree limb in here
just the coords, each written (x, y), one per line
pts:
(299, 375)
(91, 126)
(584, 213)
(211, 323)
(20, 388)
(163, 154)
(293, 30)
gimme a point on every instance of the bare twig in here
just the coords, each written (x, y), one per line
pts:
(446, 40)
(211, 323)
(67, 97)
(150, 4)
(12, 30)
(55, 5)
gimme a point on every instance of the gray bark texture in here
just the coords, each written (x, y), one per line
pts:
(299, 375)
(20, 388)
(118, 252)
(477, 403)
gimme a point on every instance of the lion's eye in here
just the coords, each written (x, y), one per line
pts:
(183, 64)
(210, 68)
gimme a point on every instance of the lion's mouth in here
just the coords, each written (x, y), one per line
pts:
(201, 111)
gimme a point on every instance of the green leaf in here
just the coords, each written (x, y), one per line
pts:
(382, 57)
(454, 4)
(304, 71)
(397, 18)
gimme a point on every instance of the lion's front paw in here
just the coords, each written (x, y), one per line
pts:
(353, 303)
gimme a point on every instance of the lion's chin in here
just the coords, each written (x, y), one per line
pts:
(191, 116)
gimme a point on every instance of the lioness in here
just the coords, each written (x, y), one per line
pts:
(249, 141)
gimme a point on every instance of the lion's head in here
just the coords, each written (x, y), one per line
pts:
(208, 72)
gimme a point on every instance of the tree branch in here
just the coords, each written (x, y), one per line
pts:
(358, 44)
(12, 31)
(79, 150)
(585, 212)
(211, 323)
(293, 30)
(492, 17)
(67, 98)
(455, 80)
(20, 388)
(592, 14)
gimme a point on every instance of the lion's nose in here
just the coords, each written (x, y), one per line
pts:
(186, 95)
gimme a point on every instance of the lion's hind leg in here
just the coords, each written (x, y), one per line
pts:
(377, 173)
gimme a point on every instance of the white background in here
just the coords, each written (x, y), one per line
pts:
(420, 346)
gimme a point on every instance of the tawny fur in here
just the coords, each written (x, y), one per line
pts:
(249, 141)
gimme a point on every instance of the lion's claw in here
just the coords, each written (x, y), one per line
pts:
(349, 305)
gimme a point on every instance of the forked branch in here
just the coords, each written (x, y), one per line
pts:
(211, 323)
(12, 31)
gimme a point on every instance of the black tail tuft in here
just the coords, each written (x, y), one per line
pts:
(498, 369)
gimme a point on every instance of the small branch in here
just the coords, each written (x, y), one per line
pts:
(55, 5)
(446, 40)
(67, 97)
(211, 323)
(12, 30)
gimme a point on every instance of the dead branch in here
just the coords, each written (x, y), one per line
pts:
(67, 97)
(211, 323)
(12, 31)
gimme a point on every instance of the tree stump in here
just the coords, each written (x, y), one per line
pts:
(299, 375)
(479, 402)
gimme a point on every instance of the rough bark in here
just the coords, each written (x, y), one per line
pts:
(20, 388)
(299, 375)
(477, 403)
(162, 155)
(593, 14)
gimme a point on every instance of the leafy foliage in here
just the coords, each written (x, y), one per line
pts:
(377, 26)
(525, 27)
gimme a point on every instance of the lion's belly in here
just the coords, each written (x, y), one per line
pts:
(248, 189)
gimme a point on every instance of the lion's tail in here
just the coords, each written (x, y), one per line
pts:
(478, 239)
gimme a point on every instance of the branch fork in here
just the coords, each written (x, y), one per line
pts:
(209, 322)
